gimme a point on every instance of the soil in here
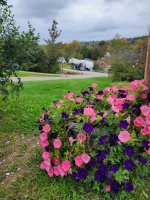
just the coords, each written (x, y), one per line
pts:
(15, 153)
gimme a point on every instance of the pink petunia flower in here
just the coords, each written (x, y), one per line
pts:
(58, 105)
(56, 171)
(94, 85)
(147, 120)
(79, 99)
(124, 136)
(44, 143)
(56, 160)
(107, 188)
(50, 173)
(86, 158)
(78, 161)
(114, 88)
(148, 151)
(43, 136)
(139, 121)
(145, 130)
(57, 143)
(145, 110)
(130, 97)
(45, 155)
(89, 111)
(62, 173)
(66, 165)
(46, 128)
(144, 96)
(46, 164)
(71, 140)
(81, 137)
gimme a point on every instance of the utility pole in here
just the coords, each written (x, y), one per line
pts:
(147, 66)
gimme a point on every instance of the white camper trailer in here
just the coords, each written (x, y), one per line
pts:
(81, 64)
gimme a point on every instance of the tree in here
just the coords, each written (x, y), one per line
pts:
(53, 49)
(54, 33)
(8, 51)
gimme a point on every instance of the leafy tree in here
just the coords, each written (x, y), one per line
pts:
(53, 48)
(8, 51)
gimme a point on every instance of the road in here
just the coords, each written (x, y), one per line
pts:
(80, 75)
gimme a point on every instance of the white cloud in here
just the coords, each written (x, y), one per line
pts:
(85, 19)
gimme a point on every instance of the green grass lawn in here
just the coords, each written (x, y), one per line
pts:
(17, 118)
(21, 114)
(27, 73)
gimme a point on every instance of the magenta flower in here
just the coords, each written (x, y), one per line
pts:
(139, 121)
(57, 143)
(94, 85)
(78, 161)
(46, 128)
(66, 165)
(89, 111)
(45, 155)
(145, 110)
(124, 136)
(86, 158)
(81, 137)
(107, 188)
(43, 136)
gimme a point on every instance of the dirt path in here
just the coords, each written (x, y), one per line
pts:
(15, 153)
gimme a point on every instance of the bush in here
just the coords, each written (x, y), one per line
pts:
(100, 137)
(125, 72)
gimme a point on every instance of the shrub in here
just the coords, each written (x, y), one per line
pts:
(100, 137)
(125, 72)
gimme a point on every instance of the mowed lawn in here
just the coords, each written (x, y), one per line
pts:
(18, 119)
(22, 114)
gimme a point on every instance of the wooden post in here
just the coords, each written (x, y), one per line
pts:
(147, 66)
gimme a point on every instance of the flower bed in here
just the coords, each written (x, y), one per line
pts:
(100, 137)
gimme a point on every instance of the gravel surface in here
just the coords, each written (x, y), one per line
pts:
(85, 74)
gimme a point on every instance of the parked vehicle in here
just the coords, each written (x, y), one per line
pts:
(81, 64)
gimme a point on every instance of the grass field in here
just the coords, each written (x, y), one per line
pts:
(21, 149)
(27, 73)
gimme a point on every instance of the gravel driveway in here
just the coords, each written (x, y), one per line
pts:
(80, 75)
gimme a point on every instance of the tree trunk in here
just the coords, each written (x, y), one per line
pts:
(147, 66)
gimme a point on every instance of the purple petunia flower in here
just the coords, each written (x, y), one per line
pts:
(115, 186)
(126, 105)
(102, 155)
(104, 119)
(65, 115)
(129, 165)
(113, 139)
(82, 173)
(100, 92)
(74, 175)
(109, 175)
(102, 170)
(136, 108)
(87, 127)
(96, 100)
(123, 124)
(102, 140)
(129, 151)
(84, 92)
(40, 127)
(98, 177)
(142, 160)
(45, 117)
(78, 111)
(114, 168)
(129, 186)
(145, 144)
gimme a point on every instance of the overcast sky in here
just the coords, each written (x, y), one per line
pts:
(84, 20)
